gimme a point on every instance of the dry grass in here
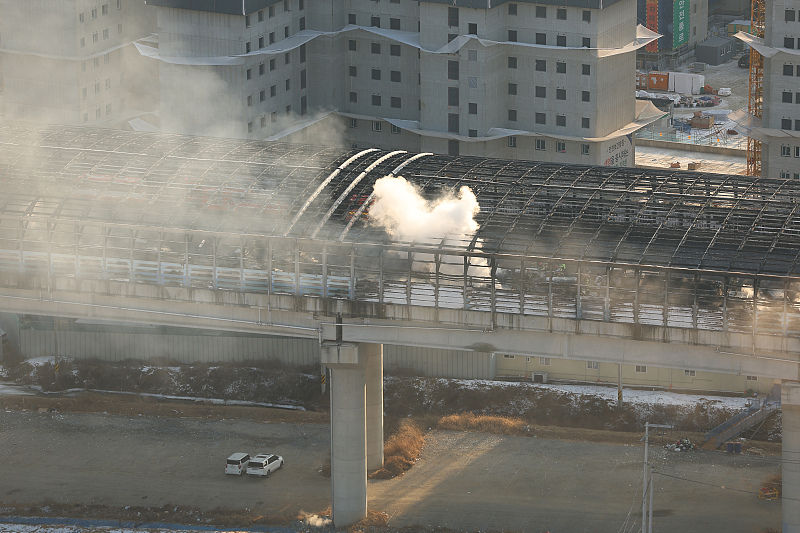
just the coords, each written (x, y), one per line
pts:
(502, 425)
(775, 480)
(401, 450)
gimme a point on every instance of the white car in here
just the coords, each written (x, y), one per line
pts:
(237, 463)
(264, 464)
(724, 91)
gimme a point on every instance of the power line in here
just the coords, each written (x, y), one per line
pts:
(707, 484)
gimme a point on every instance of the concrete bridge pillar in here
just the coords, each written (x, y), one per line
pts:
(790, 407)
(373, 361)
(348, 431)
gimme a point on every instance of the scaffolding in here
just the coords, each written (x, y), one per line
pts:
(755, 95)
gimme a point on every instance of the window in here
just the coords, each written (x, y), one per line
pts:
(249, 99)
(512, 36)
(561, 94)
(585, 122)
(249, 127)
(788, 15)
(592, 365)
(472, 28)
(512, 62)
(540, 118)
(561, 67)
(273, 90)
(395, 129)
(752, 378)
(302, 53)
(94, 13)
(394, 50)
(108, 83)
(797, 98)
(119, 4)
(262, 95)
(395, 102)
(797, 125)
(786, 97)
(288, 110)
(261, 42)
(561, 13)
(452, 96)
(287, 58)
(541, 12)
(797, 151)
(271, 37)
(288, 84)
(786, 123)
(271, 11)
(788, 42)
(452, 17)
(394, 24)
(94, 37)
(395, 76)
(561, 147)
(80, 17)
(587, 15)
(303, 79)
(586, 42)
(561, 40)
(351, 18)
(452, 148)
(541, 144)
(353, 97)
(247, 21)
(248, 74)
(512, 9)
(472, 81)
(261, 19)
(377, 125)
(540, 91)
(473, 108)
(375, 22)
(375, 48)
(351, 45)
(301, 24)
(452, 123)
(247, 47)
(586, 96)
(301, 5)
(272, 64)
(512, 142)
(451, 36)
(452, 70)
(584, 149)
(541, 38)
(541, 65)
(689, 373)
(376, 74)
(97, 113)
(472, 55)
(586, 70)
(512, 115)
(641, 369)
(512, 89)
(544, 361)
(376, 100)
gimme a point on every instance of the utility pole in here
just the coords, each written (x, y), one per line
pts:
(619, 386)
(645, 468)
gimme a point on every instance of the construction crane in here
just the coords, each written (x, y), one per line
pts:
(755, 94)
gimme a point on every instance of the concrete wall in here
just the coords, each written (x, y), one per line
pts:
(632, 375)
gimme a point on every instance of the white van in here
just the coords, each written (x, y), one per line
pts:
(264, 464)
(237, 463)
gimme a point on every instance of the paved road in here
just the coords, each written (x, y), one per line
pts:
(463, 480)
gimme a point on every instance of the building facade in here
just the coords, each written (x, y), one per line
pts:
(517, 80)
(76, 64)
(682, 25)
(778, 129)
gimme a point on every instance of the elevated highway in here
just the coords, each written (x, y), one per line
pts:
(671, 269)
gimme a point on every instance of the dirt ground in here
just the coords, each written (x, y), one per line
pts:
(166, 454)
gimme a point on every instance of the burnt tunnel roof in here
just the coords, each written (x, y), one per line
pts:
(658, 218)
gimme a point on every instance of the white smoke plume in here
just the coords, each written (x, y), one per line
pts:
(406, 215)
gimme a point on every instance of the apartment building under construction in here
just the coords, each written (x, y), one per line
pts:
(551, 81)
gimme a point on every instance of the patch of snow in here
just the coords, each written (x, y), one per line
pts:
(39, 361)
(213, 401)
(605, 392)
(8, 389)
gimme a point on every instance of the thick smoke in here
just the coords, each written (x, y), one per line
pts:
(449, 220)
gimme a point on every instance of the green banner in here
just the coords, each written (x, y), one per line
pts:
(680, 23)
